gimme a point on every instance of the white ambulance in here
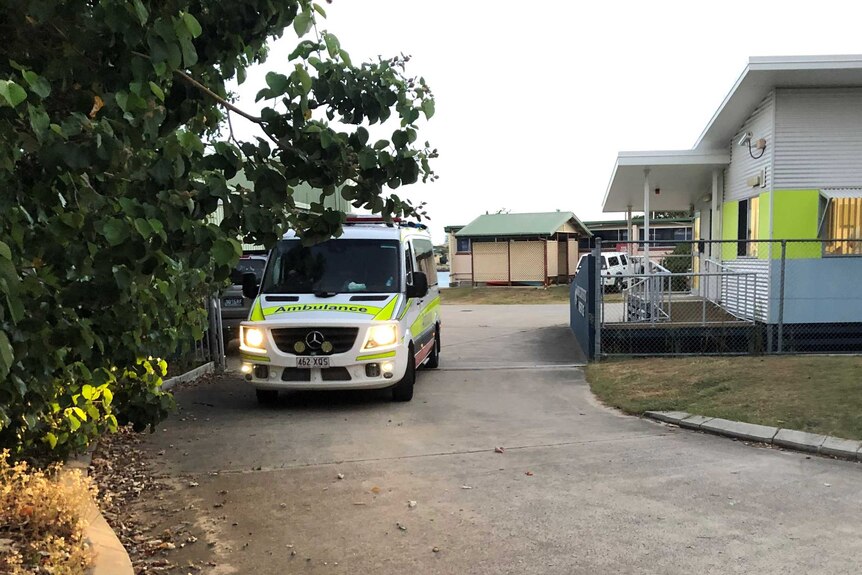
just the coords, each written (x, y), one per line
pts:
(361, 311)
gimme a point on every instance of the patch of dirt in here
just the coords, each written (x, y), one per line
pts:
(160, 529)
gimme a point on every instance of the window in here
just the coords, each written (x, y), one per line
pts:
(843, 225)
(613, 261)
(463, 245)
(749, 214)
(425, 260)
(334, 266)
(624, 260)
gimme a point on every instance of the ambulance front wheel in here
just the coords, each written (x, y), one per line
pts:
(403, 390)
(434, 357)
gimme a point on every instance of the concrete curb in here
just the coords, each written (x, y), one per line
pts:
(111, 557)
(188, 376)
(788, 438)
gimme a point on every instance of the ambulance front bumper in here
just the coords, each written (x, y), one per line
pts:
(272, 367)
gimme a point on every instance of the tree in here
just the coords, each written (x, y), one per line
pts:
(116, 144)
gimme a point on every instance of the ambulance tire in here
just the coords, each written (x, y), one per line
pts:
(266, 396)
(434, 357)
(403, 390)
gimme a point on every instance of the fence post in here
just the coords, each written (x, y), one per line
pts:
(599, 302)
(509, 259)
(781, 297)
(221, 363)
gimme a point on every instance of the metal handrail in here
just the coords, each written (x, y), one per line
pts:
(650, 298)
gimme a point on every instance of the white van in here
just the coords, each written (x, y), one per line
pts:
(360, 311)
(615, 265)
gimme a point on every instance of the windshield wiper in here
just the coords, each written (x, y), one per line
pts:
(325, 294)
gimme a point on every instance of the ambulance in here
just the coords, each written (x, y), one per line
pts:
(361, 311)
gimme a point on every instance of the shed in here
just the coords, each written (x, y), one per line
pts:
(522, 249)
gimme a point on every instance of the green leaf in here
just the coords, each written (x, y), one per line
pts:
(37, 83)
(190, 55)
(325, 139)
(192, 24)
(302, 23)
(141, 11)
(428, 108)
(115, 231)
(362, 135)
(7, 355)
(51, 439)
(319, 9)
(381, 144)
(74, 423)
(5, 252)
(367, 160)
(39, 120)
(143, 227)
(224, 252)
(88, 391)
(157, 92)
(279, 83)
(304, 79)
(332, 44)
(12, 93)
(80, 413)
(399, 138)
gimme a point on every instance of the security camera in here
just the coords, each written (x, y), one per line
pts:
(745, 139)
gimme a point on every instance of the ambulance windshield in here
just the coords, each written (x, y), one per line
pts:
(334, 267)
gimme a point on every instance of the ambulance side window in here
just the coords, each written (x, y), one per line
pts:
(425, 260)
(408, 262)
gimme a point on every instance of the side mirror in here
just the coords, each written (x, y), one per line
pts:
(249, 285)
(419, 287)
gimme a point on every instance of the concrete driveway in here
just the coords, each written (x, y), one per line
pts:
(578, 489)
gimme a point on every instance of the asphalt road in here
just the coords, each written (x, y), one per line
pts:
(578, 488)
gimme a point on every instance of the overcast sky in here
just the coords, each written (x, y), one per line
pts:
(535, 99)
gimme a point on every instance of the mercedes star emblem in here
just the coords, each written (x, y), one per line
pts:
(314, 339)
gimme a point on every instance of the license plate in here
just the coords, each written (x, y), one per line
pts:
(232, 302)
(310, 362)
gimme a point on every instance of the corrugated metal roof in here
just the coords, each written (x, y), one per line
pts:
(535, 224)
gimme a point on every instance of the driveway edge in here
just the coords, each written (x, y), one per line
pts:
(190, 375)
(111, 557)
(788, 438)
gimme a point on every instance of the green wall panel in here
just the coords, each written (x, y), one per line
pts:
(729, 219)
(796, 218)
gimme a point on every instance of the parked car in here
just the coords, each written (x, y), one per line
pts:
(615, 265)
(235, 306)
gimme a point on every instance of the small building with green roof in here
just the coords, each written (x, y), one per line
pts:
(515, 249)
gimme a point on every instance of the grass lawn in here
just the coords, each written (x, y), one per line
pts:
(510, 295)
(808, 393)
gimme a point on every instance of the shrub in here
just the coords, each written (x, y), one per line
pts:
(41, 528)
(116, 155)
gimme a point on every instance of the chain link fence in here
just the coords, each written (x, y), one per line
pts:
(731, 297)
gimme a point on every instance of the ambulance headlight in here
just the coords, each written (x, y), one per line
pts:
(251, 337)
(381, 335)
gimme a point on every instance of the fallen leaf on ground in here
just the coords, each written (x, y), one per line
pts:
(466, 487)
(375, 490)
(499, 450)
(529, 473)
(340, 476)
(411, 504)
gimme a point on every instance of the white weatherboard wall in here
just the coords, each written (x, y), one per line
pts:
(742, 165)
(818, 138)
(747, 296)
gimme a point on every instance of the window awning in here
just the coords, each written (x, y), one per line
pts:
(835, 193)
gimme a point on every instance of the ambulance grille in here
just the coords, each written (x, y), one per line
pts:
(341, 338)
